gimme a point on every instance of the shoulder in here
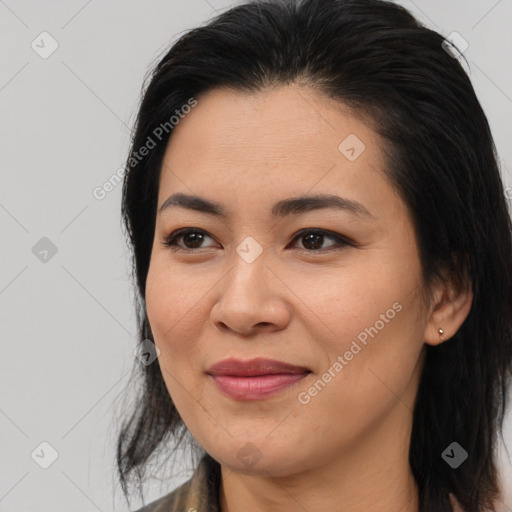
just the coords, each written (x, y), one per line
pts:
(455, 503)
(163, 504)
(199, 493)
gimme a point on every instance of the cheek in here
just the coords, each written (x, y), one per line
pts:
(378, 357)
(167, 305)
(370, 315)
(172, 305)
(346, 301)
(178, 306)
(172, 297)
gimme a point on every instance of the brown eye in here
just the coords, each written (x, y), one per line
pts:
(192, 239)
(313, 240)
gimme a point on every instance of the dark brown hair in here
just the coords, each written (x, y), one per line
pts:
(375, 57)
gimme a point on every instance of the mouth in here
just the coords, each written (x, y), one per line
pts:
(255, 379)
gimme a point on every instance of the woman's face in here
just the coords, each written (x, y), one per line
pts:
(346, 312)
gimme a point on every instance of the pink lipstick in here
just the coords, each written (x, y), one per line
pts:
(255, 379)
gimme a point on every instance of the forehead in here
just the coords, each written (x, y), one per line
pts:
(278, 142)
(287, 121)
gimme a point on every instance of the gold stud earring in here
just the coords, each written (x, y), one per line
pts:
(441, 332)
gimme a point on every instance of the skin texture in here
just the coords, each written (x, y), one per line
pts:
(348, 446)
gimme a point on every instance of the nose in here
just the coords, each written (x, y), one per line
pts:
(251, 300)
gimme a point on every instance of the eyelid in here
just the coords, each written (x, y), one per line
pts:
(341, 240)
(169, 241)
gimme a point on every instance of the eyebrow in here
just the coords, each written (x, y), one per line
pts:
(283, 208)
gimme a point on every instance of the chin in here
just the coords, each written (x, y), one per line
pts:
(251, 459)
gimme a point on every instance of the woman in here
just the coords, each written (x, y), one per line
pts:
(322, 255)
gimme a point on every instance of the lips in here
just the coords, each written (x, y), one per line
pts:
(255, 379)
(254, 367)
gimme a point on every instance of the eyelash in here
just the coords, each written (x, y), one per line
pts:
(341, 241)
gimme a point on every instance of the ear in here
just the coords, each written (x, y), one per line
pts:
(451, 306)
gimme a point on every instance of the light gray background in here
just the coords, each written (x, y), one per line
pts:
(67, 325)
